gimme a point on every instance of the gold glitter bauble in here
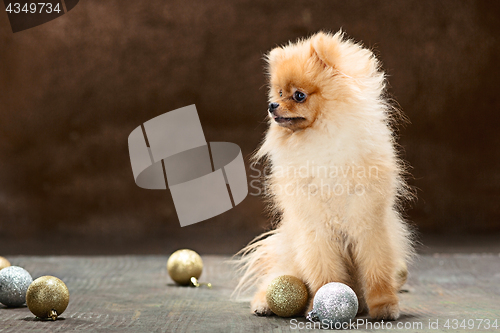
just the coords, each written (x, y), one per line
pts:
(47, 297)
(4, 263)
(183, 265)
(286, 296)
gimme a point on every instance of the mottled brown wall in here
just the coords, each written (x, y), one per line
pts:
(73, 89)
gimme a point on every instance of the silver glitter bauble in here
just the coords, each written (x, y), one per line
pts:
(334, 304)
(14, 282)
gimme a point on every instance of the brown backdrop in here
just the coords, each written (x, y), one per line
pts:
(72, 90)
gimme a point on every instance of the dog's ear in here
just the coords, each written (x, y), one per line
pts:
(273, 57)
(325, 48)
(347, 57)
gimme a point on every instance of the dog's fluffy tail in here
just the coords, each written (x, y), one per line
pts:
(253, 261)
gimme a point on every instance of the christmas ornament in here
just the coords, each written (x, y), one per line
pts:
(286, 296)
(184, 265)
(334, 302)
(14, 281)
(47, 297)
(4, 263)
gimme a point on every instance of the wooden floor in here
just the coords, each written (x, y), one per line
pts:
(135, 294)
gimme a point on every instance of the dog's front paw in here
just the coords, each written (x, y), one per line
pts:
(259, 305)
(385, 311)
(401, 275)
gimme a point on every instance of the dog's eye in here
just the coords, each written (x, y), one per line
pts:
(299, 96)
(281, 93)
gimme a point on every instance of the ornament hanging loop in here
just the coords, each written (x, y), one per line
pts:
(312, 316)
(53, 314)
(195, 283)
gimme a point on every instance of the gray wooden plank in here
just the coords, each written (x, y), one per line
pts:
(135, 294)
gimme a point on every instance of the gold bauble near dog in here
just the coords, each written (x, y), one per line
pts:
(183, 265)
(287, 296)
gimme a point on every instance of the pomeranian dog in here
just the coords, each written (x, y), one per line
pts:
(335, 180)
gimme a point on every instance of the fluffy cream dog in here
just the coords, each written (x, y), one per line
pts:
(335, 178)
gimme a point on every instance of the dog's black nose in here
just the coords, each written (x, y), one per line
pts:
(273, 106)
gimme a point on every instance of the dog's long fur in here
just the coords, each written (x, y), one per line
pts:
(340, 137)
